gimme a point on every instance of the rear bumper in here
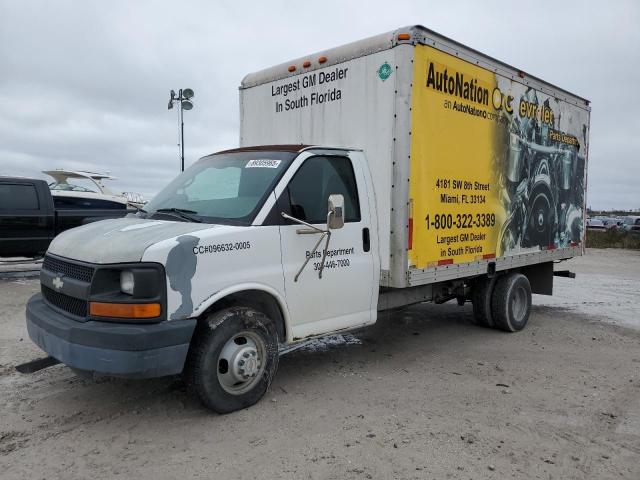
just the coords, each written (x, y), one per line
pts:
(130, 350)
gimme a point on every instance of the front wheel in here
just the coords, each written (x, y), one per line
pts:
(233, 358)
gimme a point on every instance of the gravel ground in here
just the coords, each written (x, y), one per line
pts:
(423, 394)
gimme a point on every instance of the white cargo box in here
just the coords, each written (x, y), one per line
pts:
(474, 162)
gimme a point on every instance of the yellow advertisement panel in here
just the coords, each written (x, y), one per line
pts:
(490, 172)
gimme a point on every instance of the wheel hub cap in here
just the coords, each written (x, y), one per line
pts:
(247, 363)
(241, 362)
(519, 304)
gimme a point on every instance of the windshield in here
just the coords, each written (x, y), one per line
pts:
(69, 187)
(224, 188)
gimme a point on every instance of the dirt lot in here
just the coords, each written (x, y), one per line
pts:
(423, 394)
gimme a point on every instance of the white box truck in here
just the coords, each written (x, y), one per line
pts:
(399, 169)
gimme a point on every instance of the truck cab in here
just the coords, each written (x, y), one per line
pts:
(27, 216)
(245, 250)
(31, 216)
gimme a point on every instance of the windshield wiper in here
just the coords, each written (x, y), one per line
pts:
(180, 212)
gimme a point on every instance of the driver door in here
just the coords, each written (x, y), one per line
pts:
(342, 297)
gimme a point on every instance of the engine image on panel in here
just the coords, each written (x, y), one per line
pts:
(542, 177)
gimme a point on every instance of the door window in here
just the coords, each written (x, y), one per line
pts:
(317, 178)
(18, 197)
(70, 203)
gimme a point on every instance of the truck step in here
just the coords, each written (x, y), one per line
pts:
(564, 273)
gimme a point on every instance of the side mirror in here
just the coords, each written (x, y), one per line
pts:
(335, 217)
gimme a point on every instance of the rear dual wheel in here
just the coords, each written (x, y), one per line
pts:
(502, 302)
(481, 300)
(511, 302)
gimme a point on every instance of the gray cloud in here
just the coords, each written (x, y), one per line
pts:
(85, 84)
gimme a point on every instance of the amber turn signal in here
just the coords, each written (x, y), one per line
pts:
(124, 310)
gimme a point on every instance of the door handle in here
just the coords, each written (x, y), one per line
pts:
(366, 240)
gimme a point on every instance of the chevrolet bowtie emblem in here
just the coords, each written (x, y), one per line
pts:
(58, 283)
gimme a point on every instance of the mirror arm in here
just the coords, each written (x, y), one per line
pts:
(311, 255)
(313, 228)
(325, 233)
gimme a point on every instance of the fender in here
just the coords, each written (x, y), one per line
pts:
(241, 287)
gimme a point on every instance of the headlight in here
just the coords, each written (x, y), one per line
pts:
(132, 291)
(127, 282)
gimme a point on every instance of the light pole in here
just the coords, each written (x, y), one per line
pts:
(184, 98)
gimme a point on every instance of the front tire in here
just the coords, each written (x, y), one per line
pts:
(511, 302)
(233, 359)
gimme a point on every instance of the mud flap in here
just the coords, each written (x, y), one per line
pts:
(36, 365)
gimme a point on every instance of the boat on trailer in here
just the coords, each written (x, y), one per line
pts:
(69, 194)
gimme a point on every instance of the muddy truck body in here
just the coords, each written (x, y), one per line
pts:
(400, 169)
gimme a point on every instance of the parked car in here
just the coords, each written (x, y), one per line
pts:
(29, 219)
(631, 224)
(610, 222)
(596, 224)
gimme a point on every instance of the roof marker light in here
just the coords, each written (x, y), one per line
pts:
(306, 64)
(404, 36)
(292, 68)
(322, 59)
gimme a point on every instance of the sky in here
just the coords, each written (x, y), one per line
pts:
(85, 84)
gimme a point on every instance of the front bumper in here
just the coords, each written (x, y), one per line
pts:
(120, 349)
